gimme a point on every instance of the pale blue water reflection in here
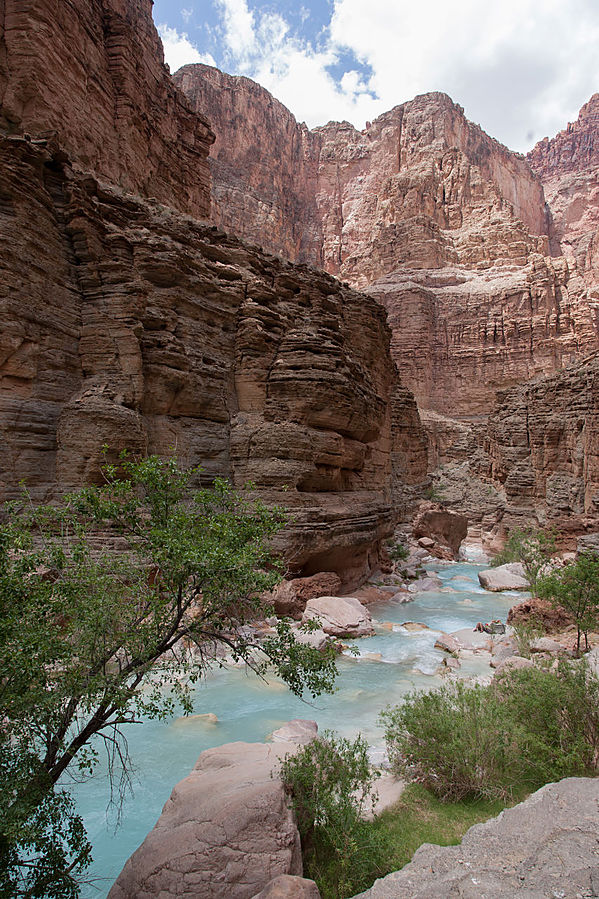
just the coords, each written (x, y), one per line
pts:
(248, 709)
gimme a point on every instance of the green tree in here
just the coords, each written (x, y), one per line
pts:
(575, 588)
(112, 605)
(532, 547)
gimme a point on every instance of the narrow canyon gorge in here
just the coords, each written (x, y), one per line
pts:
(351, 321)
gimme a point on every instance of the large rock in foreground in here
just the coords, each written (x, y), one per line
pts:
(340, 616)
(225, 832)
(544, 847)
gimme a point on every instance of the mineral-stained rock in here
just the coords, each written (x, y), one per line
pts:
(546, 846)
(225, 832)
(89, 75)
(445, 528)
(510, 576)
(447, 643)
(539, 612)
(290, 597)
(340, 616)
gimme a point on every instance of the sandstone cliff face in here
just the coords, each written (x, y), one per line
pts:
(90, 74)
(140, 327)
(263, 164)
(568, 166)
(543, 443)
(443, 225)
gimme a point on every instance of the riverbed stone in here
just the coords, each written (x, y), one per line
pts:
(225, 832)
(447, 643)
(286, 886)
(340, 616)
(544, 848)
(546, 644)
(290, 597)
(298, 730)
(505, 577)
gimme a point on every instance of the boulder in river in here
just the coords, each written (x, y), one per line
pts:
(225, 832)
(505, 577)
(340, 616)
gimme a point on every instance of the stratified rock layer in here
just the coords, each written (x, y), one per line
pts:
(140, 327)
(543, 443)
(546, 846)
(90, 75)
(443, 225)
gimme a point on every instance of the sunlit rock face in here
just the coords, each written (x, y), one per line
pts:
(568, 166)
(442, 224)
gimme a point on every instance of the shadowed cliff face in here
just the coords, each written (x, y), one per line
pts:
(443, 225)
(90, 74)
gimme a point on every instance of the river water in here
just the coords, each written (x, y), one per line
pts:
(248, 709)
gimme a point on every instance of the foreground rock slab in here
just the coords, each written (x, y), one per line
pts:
(225, 832)
(340, 616)
(288, 887)
(544, 847)
(504, 577)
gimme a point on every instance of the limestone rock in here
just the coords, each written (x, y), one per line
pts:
(556, 857)
(513, 663)
(446, 529)
(298, 731)
(340, 616)
(546, 644)
(290, 597)
(539, 611)
(510, 576)
(286, 886)
(225, 832)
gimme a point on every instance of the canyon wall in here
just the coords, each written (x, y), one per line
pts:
(543, 444)
(439, 222)
(90, 76)
(128, 323)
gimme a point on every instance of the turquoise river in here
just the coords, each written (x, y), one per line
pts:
(248, 709)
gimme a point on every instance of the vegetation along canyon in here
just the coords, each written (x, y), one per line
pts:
(299, 472)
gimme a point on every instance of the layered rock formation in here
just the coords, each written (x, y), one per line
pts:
(446, 227)
(128, 323)
(148, 329)
(543, 445)
(90, 75)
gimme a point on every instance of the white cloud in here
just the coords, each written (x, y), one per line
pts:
(186, 14)
(515, 65)
(520, 68)
(178, 49)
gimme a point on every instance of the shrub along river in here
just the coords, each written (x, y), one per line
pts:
(391, 663)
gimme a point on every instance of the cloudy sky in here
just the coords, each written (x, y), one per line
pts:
(520, 68)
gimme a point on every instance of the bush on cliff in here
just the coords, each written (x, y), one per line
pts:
(112, 604)
(525, 729)
(533, 548)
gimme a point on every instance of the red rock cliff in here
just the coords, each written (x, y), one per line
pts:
(128, 323)
(90, 74)
(442, 224)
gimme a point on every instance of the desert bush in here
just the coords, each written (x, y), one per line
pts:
(330, 783)
(527, 728)
(575, 588)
